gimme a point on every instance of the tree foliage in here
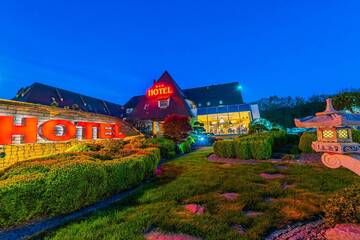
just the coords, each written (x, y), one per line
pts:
(283, 110)
(177, 127)
(347, 101)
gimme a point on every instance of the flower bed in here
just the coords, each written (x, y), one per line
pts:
(67, 182)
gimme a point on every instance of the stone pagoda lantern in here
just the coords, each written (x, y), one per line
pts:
(334, 137)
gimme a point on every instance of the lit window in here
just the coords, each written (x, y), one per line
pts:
(146, 106)
(220, 102)
(343, 133)
(199, 104)
(129, 110)
(208, 103)
(164, 103)
(328, 134)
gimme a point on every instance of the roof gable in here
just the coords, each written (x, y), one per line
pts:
(148, 107)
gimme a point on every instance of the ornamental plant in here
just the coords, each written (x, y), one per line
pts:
(306, 140)
(177, 127)
(343, 206)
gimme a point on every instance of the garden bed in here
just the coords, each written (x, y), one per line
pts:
(198, 199)
(63, 183)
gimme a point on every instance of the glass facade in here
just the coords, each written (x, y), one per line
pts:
(226, 123)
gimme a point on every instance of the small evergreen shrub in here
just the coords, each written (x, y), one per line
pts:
(242, 150)
(343, 206)
(306, 140)
(261, 150)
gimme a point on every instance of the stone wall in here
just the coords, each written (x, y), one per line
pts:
(10, 154)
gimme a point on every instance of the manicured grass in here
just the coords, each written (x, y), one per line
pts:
(192, 179)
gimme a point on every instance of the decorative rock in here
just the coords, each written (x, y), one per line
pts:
(163, 236)
(253, 213)
(195, 209)
(343, 231)
(231, 196)
(270, 176)
(239, 229)
(285, 185)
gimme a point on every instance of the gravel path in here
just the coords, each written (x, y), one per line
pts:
(314, 230)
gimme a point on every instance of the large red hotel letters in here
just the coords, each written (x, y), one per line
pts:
(29, 130)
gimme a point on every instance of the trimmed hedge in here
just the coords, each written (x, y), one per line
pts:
(343, 206)
(224, 148)
(242, 150)
(167, 146)
(261, 150)
(40, 189)
(255, 146)
(306, 140)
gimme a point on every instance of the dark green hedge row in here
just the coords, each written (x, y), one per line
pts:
(37, 190)
(255, 146)
(243, 149)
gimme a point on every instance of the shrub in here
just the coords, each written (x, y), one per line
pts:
(306, 140)
(242, 150)
(167, 146)
(343, 206)
(186, 146)
(46, 188)
(356, 135)
(294, 149)
(224, 148)
(261, 150)
(177, 127)
(81, 147)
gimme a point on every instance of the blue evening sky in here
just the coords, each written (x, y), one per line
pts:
(115, 49)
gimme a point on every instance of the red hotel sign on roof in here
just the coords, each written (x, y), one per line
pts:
(159, 91)
(29, 130)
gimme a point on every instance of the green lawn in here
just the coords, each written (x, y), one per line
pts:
(192, 179)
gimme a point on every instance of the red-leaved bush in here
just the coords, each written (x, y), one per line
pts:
(177, 127)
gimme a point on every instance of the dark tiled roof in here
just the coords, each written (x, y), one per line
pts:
(227, 93)
(133, 102)
(221, 94)
(43, 94)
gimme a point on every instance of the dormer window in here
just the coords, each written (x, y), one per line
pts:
(199, 104)
(208, 103)
(164, 103)
(129, 110)
(220, 102)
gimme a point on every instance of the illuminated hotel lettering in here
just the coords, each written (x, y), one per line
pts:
(29, 130)
(159, 90)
